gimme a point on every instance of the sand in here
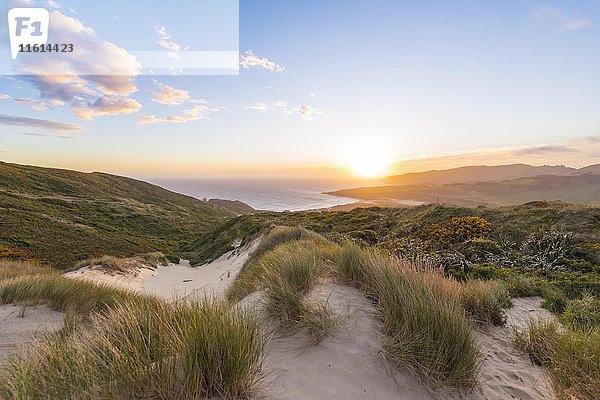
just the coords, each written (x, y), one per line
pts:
(507, 373)
(351, 364)
(18, 331)
(175, 280)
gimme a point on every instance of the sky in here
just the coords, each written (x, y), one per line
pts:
(324, 87)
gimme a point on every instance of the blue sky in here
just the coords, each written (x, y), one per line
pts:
(326, 80)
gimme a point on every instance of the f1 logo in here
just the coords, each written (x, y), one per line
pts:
(27, 26)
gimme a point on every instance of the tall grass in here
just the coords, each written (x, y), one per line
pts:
(485, 301)
(145, 349)
(280, 235)
(252, 274)
(63, 294)
(13, 269)
(426, 326)
(572, 357)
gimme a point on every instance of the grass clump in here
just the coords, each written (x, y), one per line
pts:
(280, 235)
(145, 349)
(582, 314)
(572, 357)
(62, 294)
(14, 269)
(485, 301)
(426, 326)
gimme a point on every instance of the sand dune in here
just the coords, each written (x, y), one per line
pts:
(175, 280)
(18, 326)
(351, 363)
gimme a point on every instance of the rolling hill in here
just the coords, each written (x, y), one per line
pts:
(481, 173)
(574, 189)
(61, 216)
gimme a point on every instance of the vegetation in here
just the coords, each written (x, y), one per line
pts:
(144, 349)
(425, 323)
(572, 357)
(59, 217)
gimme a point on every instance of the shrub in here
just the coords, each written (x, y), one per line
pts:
(485, 301)
(144, 349)
(455, 230)
(555, 300)
(582, 314)
(572, 358)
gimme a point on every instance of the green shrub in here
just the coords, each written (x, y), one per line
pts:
(555, 300)
(582, 314)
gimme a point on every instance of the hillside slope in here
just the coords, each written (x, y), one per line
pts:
(572, 189)
(480, 173)
(60, 216)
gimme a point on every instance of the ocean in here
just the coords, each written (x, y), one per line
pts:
(262, 194)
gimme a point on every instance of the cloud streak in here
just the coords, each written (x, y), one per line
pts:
(169, 95)
(43, 124)
(196, 113)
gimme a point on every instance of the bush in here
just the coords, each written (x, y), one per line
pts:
(582, 314)
(485, 301)
(144, 349)
(455, 230)
(555, 300)
(572, 358)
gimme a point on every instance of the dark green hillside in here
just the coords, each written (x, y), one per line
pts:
(60, 216)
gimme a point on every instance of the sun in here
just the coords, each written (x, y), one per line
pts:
(368, 160)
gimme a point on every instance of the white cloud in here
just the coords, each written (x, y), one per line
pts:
(53, 4)
(169, 95)
(4, 96)
(74, 78)
(563, 22)
(260, 107)
(164, 39)
(107, 105)
(251, 61)
(200, 112)
(307, 112)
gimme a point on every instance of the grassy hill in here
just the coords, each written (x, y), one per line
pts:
(574, 189)
(60, 216)
(478, 173)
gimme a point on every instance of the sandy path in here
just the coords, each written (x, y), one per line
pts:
(176, 280)
(17, 331)
(348, 365)
(507, 373)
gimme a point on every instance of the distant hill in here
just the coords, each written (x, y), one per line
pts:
(574, 189)
(61, 216)
(477, 174)
(591, 169)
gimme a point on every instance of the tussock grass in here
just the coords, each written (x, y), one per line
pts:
(13, 269)
(63, 294)
(253, 272)
(426, 326)
(145, 349)
(280, 235)
(572, 357)
(124, 265)
(485, 301)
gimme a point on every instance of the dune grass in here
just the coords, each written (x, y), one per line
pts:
(144, 349)
(572, 357)
(13, 269)
(426, 327)
(485, 301)
(63, 294)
